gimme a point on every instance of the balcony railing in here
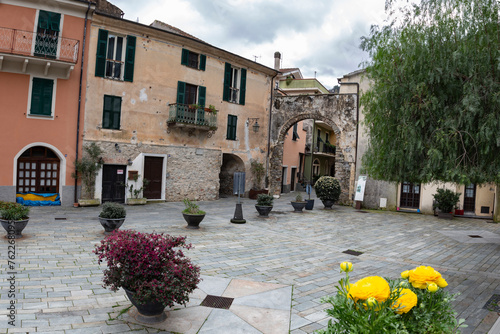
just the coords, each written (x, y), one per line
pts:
(27, 43)
(323, 148)
(191, 117)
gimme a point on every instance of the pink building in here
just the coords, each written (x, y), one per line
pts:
(42, 89)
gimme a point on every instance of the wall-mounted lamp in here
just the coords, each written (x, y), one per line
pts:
(256, 126)
(129, 162)
(117, 147)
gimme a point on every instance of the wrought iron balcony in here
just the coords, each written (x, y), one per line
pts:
(182, 115)
(27, 43)
(326, 149)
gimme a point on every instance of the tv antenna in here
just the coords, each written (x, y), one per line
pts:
(256, 57)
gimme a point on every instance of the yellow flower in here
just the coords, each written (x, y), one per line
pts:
(346, 266)
(421, 276)
(405, 274)
(442, 283)
(406, 301)
(372, 286)
(432, 287)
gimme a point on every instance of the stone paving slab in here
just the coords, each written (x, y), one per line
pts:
(58, 280)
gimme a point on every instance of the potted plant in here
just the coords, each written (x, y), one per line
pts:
(151, 268)
(112, 216)
(258, 171)
(264, 204)
(445, 201)
(192, 214)
(134, 198)
(299, 204)
(211, 108)
(328, 190)
(14, 218)
(86, 169)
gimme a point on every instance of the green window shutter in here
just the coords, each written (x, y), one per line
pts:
(185, 57)
(203, 62)
(100, 61)
(41, 97)
(55, 20)
(111, 112)
(243, 86)
(202, 92)
(181, 92)
(129, 59)
(43, 20)
(227, 81)
(232, 121)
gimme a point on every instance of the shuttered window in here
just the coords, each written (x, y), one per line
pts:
(113, 59)
(193, 59)
(191, 94)
(111, 112)
(41, 97)
(235, 81)
(232, 122)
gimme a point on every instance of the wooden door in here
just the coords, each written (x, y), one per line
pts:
(470, 198)
(153, 171)
(113, 183)
(292, 179)
(410, 195)
(38, 171)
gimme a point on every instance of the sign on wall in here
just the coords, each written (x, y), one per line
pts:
(360, 189)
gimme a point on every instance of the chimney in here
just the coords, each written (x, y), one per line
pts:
(277, 60)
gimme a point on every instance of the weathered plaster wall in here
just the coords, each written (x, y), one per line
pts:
(337, 111)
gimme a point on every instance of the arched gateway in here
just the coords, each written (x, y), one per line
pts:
(337, 111)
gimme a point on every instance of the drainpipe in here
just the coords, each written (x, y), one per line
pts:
(80, 100)
(269, 130)
(357, 122)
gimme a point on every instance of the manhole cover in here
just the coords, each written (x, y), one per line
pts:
(493, 304)
(475, 236)
(217, 302)
(360, 211)
(352, 252)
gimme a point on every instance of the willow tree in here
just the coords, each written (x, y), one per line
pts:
(433, 110)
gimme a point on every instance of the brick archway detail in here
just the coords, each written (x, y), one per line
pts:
(337, 111)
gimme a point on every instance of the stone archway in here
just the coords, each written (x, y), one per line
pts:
(231, 163)
(337, 111)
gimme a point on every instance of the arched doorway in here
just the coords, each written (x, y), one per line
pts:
(230, 164)
(38, 171)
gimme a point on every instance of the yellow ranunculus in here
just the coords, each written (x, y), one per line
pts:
(372, 286)
(346, 266)
(432, 287)
(406, 301)
(442, 283)
(423, 275)
(405, 274)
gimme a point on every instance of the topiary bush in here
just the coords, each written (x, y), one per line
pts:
(446, 200)
(265, 200)
(112, 210)
(327, 188)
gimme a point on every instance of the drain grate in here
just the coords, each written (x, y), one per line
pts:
(361, 211)
(493, 304)
(352, 252)
(60, 218)
(475, 236)
(217, 302)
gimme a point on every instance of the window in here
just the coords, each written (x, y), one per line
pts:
(111, 112)
(191, 94)
(232, 121)
(234, 84)
(38, 171)
(193, 60)
(42, 91)
(295, 135)
(47, 34)
(316, 167)
(115, 56)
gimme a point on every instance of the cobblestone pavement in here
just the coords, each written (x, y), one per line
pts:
(59, 282)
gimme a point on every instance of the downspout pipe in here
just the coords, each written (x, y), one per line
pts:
(269, 130)
(80, 100)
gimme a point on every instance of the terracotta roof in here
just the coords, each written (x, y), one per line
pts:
(167, 27)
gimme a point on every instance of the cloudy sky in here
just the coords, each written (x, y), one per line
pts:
(321, 37)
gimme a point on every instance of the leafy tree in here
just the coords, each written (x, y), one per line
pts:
(433, 111)
(87, 169)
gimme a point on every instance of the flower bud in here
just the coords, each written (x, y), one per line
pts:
(371, 302)
(432, 287)
(346, 266)
(441, 282)
(404, 284)
(405, 274)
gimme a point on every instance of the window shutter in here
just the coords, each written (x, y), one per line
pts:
(228, 131)
(111, 114)
(41, 96)
(181, 92)
(232, 121)
(185, 57)
(235, 121)
(227, 81)
(203, 62)
(48, 87)
(55, 19)
(202, 91)
(129, 59)
(100, 61)
(243, 86)
(43, 20)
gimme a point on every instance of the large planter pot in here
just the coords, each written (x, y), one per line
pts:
(252, 194)
(445, 215)
(111, 224)
(89, 202)
(150, 312)
(193, 221)
(298, 206)
(137, 201)
(327, 203)
(310, 204)
(14, 227)
(263, 210)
